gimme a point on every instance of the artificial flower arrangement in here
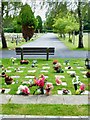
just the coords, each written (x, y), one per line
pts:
(17, 69)
(23, 90)
(57, 66)
(8, 80)
(34, 63)
(24, 61)
(39, 82)
(88, 74)
(13, 59)
(3, 69)
(55, 62)
(65, 91)
(3, 90)
(73, 74)
(76, 82)
(58, 81)
(66, 62)
(81, 89)
(3, 74)
(1, 66)
(48, 88)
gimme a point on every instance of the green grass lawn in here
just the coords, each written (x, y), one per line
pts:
(44, 109)
(74, 46)
(51, 74)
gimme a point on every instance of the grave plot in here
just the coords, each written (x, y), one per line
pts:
(24, 75)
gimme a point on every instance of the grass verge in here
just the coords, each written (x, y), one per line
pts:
(74, 45)
(44, 109)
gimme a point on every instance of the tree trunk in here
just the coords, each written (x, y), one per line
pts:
(80, 44)
(73, 37)
(4, 44)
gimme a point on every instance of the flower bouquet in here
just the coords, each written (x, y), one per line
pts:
(13, 59)
(49, 87)
(88, 74)
(65, 91)
(57, 68)
(24, 61)
(58, 81)
(55, 62)
(23, 90)
(73, 74)
(3, 90)
(8, 80)
(81, 89)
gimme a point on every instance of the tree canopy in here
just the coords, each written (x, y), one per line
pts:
(39, 26)
(26, 16)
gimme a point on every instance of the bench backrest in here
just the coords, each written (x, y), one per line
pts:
(35, 50)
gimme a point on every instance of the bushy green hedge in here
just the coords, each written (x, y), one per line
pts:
(8, 30)
(11, 30)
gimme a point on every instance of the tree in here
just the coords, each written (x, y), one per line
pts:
(6, 8)
(66, 24)
(39, 26)
(4, 44)
(28, 21)
(80, 45)
(55, 10)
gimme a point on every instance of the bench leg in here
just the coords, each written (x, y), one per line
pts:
(21, 54)
(47, 54)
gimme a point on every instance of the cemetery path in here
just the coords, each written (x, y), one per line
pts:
(48, 40)
(43, 99)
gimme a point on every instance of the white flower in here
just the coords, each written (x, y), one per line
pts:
(13, 59)
(18, 92)
(20, 87)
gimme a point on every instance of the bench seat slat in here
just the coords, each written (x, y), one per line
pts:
(34, 54)
(35, 51)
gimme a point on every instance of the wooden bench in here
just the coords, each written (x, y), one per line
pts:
(35, 51)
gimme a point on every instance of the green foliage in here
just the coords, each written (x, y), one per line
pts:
(26, 16)
(65, 24)
(60, 25)
(49, 21)
(56, 9)
(8, 30)
(10, 25)
(17, 27)
(39, 20)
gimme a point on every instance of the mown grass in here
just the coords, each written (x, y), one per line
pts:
(44, 109)
(74, 46)
(51, 74)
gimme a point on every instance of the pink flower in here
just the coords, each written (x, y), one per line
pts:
(82, 87)
(58, 81)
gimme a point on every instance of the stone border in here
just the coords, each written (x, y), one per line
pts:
(2, 117)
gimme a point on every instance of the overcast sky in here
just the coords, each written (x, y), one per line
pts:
(41, 12)
(37, 9)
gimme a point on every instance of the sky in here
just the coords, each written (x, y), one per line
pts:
(41, 12)
(37, 10)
